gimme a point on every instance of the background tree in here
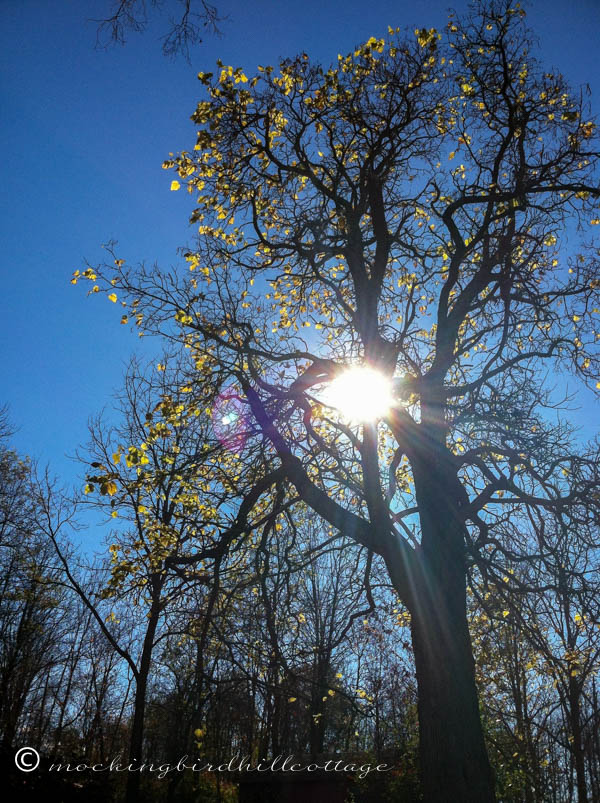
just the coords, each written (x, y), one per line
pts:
(151, 476)
(554, 636)
(34, 609)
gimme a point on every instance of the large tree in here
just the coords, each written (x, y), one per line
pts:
(406, 210)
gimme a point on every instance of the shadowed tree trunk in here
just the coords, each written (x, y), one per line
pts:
(136, 743)
(454, 761)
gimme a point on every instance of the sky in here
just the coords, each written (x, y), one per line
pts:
(84, 133)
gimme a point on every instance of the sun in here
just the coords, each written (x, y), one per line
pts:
(361, 394)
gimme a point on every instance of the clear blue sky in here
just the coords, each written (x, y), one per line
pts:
(84, 134)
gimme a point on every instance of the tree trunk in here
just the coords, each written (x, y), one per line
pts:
(136, 741)
(454, 762)
(577, 743)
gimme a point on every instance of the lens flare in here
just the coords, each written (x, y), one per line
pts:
(229, 420)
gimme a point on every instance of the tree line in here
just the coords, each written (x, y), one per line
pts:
(300, 649)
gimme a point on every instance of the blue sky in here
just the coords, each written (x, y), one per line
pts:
(84, 134)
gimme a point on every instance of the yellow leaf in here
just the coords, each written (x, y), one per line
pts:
(426, 37)
(113, 297)
(175, 185)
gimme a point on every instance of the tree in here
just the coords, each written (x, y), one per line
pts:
(150, 477)
(557, 625)
(34, 618)
(56, 685)
(403, 210)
